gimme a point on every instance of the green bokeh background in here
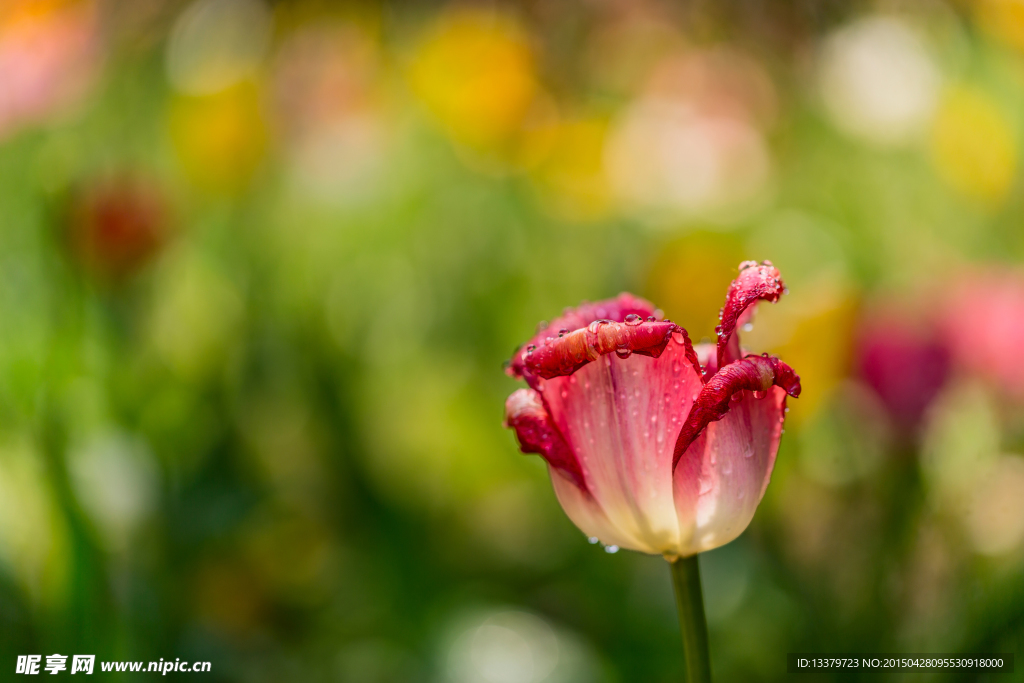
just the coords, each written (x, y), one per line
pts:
(271, 439)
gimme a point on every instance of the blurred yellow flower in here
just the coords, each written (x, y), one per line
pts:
(974, 146)
(571, 179)
(1003, 19)
(474, 71)
(219, 139)
(814, 332)
(688, 278)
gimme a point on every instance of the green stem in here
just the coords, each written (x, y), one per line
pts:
(690, 602)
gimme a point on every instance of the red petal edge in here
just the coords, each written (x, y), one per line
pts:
(753, 373)
(537, 433)
(615, 310)
(755, 282)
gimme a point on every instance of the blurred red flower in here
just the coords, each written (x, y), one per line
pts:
(116, 225)
(652, 444)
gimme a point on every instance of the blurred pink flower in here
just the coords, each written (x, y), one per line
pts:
(904, 361)
(984, 325)
(652, 444)
(47, 61)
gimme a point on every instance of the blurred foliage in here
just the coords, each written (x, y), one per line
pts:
(261, 265)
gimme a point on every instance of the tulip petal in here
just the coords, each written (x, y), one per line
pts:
(754, 283)
(726, 449)
(733, 461)
(615, 310)
(526, 414)
(621, 417)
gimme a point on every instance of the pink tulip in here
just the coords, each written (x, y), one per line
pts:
(905, 362)
(984, 325)
(652, 444)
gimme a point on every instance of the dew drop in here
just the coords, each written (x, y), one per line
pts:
(760, 394)
(611, 549)
(593, 540)
(623, 352)
(633, 320)
(651, 319)
(749, 327)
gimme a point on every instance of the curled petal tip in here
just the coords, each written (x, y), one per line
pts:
(755, 282)
(614, 310)
(753, 373)
(565, 354)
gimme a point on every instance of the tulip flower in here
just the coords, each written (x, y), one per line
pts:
(653, 444)
(906, 364)
(116, 225)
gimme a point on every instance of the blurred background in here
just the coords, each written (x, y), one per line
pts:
(260, 264)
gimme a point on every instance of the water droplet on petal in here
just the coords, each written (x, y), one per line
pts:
(593, 540)
(633, 320)
(705, 487)
(760, 394)
(611, 549)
